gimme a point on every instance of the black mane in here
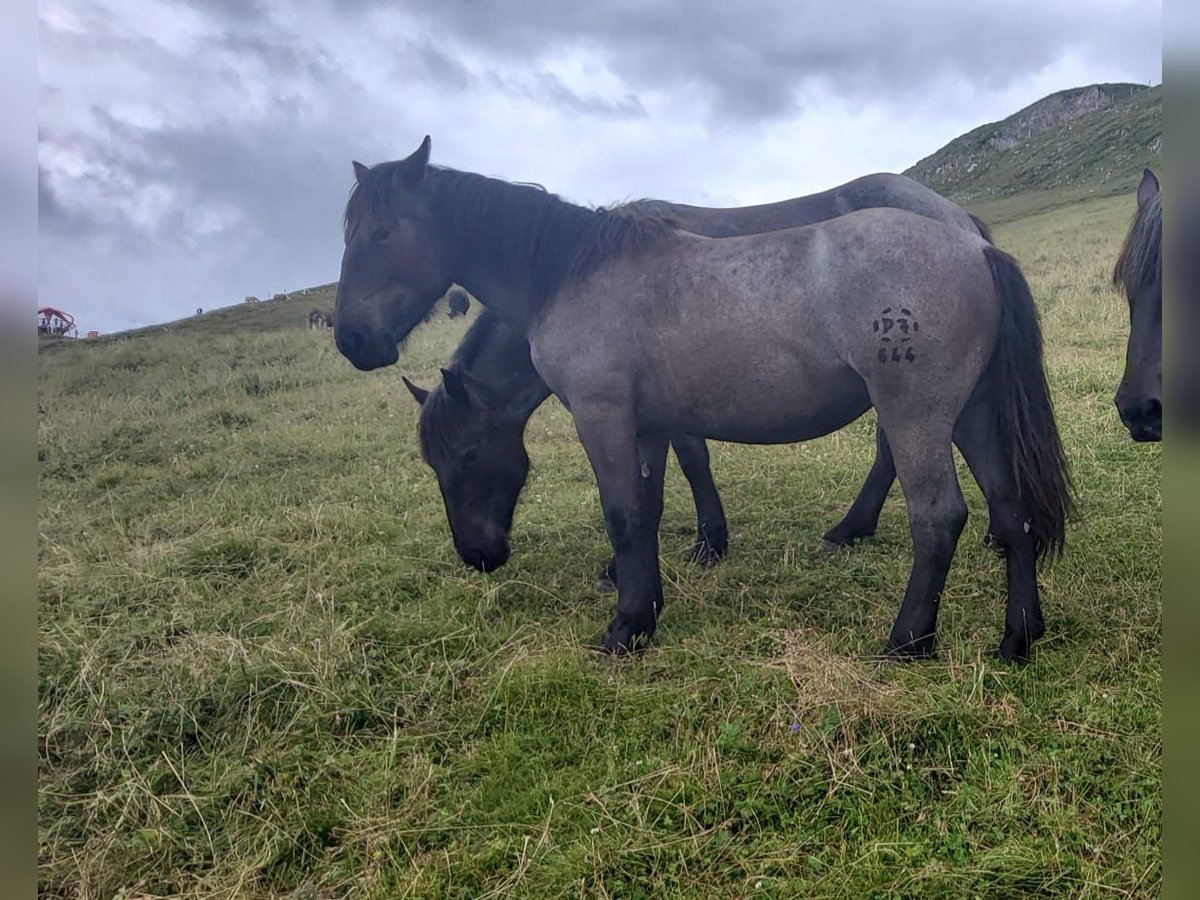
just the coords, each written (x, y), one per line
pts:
(1140, 260)
(523, 231)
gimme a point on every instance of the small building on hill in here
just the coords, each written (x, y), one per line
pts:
(55, 323)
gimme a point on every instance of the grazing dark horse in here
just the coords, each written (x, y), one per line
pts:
(459, 302)
(491, 389)
(644, 331)
(472, 435)
(1138, 274)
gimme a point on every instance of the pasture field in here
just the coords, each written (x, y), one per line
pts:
(263, 671)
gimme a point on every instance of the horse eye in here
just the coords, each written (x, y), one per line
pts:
(382, 233)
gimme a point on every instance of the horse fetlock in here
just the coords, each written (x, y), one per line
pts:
(910, 647)
(707, 552)
(629, 633)
(846, 533)
(1017, 643)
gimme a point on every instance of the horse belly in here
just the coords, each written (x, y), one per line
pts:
(778, 401)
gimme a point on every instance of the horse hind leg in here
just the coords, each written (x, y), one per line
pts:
(712, 529)
(936, 514)
(977, 437)
(863, 516)
(862, 519)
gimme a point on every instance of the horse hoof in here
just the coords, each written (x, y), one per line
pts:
(621, 640)
(991, 542)
(604, 584)
(913, 650)
(705, 554)
(829, 547)
(1018, 648)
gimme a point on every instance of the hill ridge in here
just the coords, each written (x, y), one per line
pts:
(1092, 138)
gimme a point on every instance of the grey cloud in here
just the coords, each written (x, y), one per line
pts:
(757, 60)
(434, 63)
(52, 215)
(548, 89)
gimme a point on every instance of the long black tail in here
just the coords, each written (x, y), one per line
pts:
(982, 227)
(1026, 417)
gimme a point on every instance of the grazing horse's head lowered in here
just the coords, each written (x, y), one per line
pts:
(481, 464)
(1138, 273)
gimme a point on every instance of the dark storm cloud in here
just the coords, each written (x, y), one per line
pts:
(757, 60)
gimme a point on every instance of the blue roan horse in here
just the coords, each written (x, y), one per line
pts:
(643, 331)
(472, 424)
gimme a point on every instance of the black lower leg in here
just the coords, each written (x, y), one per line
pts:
(712, 530)
(1023, 621)
(914, 633)
(863, 516)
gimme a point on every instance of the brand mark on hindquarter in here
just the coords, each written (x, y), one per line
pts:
(897, 331)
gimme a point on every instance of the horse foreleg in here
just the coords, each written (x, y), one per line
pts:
(712, 530)
(629, 473)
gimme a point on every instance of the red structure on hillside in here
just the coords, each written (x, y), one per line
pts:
(56, 323)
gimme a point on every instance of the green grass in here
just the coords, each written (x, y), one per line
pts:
(264, 673)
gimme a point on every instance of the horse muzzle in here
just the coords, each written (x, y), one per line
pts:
(485, 559)
(1143, 417)
(365, 351)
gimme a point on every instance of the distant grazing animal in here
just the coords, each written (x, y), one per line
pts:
(320, 319)
(498, 389)
(458, 302)
(1138, 274)
(644, 331)
(199, 311)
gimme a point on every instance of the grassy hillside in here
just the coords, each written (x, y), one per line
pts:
(264, 673)
(1071, 157)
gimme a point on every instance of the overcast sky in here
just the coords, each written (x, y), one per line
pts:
(190, 153)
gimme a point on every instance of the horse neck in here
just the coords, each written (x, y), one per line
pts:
(495, 239)
(498, 356)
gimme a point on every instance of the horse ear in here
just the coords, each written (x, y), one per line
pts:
(454, 386)
(419, 393)
(480, 394)
(360, 171)
(1148, 188)
(412, 169)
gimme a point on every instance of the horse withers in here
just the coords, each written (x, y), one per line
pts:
(1138, 274)
(643, 331)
